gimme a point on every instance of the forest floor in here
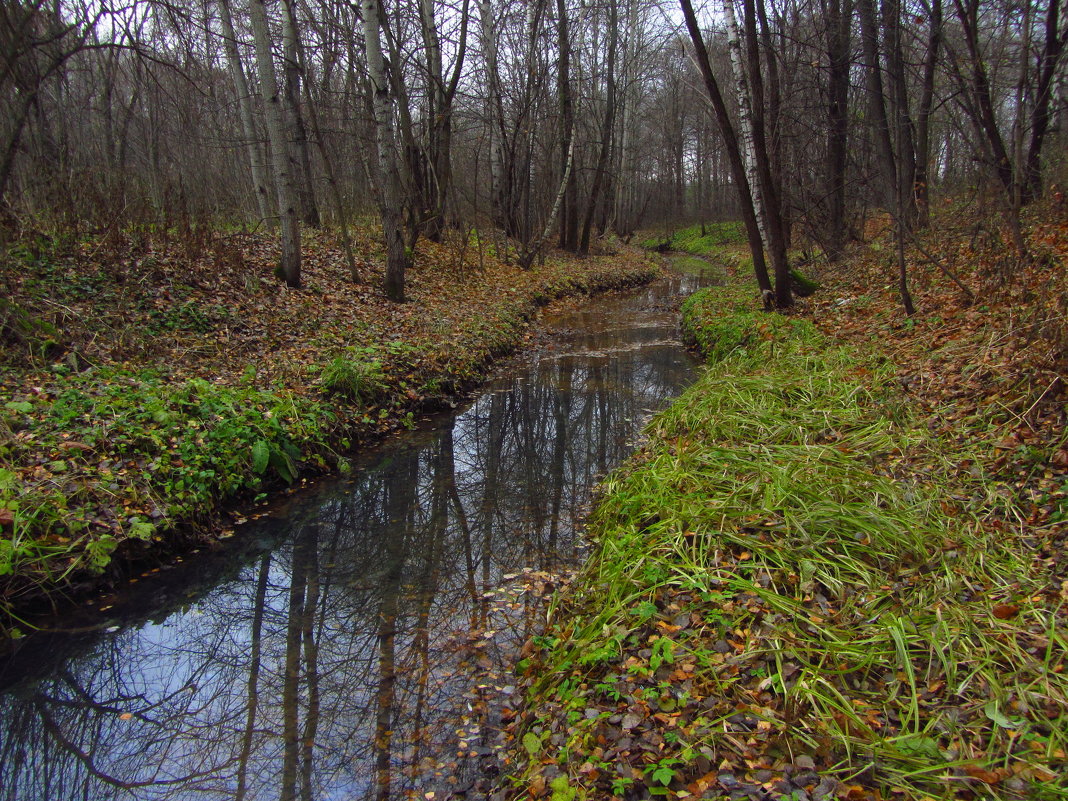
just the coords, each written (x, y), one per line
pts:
(146, 383)
(837, 568)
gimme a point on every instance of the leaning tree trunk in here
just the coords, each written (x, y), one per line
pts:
(289, 266)
(389, 190)
(533, 249)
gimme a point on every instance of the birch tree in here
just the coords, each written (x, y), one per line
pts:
(734, 153)
(253, 146)
(289, 266)
(745, 114)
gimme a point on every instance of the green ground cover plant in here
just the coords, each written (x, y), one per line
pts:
(782, 600)
(141, 392)
(702, 239)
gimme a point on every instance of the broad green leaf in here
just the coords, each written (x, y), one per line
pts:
(261, 456)
(286, 467)
(142, 530)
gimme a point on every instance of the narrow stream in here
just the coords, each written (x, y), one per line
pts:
(354, 642)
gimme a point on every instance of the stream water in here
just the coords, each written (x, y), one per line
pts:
(353, 642)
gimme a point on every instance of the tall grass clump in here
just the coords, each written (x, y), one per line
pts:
(775, 539)
(358, 375)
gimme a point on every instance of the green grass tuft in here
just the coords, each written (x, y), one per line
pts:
(774, 512)
(357, 375)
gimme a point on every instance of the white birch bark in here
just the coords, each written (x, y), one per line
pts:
(254, 146)
(533, 250)
(289, 267)
(745, 114)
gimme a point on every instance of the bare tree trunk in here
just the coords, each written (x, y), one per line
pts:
(980, 106)
(254, 147)
(768, 188)
(884, 148)
(625, 189)
(1048, 60)
(335, 190)
(435, 154)
(569, 211)
(923, 117)
(441, 93)
(902, 224)
(745, 115)
(533, 249)
(838, 14)
(389, 191)
(298, 132)
(980, 89)
(494, 115)
(734, 154)
(289, 266)
(775, 122)
(606, 128)
(905, 132)
(7, 165)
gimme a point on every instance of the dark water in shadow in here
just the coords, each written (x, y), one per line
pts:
(352, 644)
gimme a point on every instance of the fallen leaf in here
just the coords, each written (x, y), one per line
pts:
(1005, 611)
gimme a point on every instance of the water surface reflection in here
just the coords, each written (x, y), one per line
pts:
(339, 662)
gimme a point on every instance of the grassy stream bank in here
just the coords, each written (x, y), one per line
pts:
(794, 595)
(144, 385)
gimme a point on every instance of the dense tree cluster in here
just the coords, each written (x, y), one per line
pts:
(551, 121)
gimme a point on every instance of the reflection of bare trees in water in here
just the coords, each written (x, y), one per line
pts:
(339, 664)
